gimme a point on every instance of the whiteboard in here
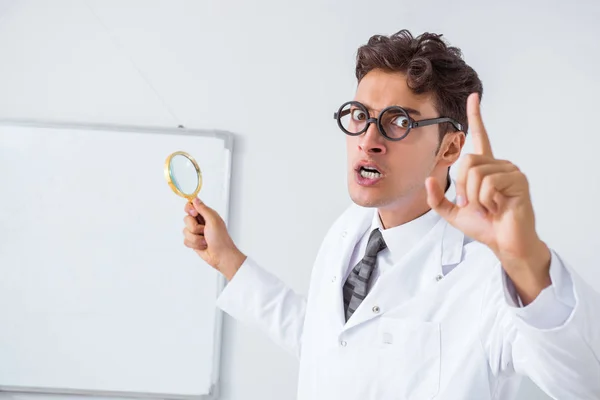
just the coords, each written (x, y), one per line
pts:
(98, 294)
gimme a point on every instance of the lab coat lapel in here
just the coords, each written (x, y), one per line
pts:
(353, 225)
(420, 269)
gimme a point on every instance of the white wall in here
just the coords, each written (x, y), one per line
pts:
(274, 72)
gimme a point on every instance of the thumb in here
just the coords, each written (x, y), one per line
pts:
(438, 201)
(204, 211)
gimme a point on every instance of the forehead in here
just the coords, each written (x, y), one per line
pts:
(379, 89)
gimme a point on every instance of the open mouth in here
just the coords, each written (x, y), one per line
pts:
(369, 172)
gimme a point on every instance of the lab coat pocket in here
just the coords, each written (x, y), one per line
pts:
(409, 358)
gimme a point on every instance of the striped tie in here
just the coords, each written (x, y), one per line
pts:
(357, 284)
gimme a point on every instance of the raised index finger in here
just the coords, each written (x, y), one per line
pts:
(481, 141)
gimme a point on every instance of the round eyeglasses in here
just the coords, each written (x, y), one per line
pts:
(394, 122)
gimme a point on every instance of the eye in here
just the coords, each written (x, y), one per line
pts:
(401, 122)
(358, 115)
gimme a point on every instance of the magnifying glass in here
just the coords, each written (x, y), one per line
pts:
(183, 175)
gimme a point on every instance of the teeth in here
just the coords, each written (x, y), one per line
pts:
(369, 175)
(370, 169)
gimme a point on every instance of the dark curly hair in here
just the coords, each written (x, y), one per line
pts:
(430, 66)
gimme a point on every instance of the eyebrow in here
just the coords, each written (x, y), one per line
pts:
(408, 110)
(412, 111)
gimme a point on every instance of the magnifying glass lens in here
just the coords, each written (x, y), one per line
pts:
(184, 175)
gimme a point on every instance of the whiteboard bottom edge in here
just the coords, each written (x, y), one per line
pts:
(212, 395)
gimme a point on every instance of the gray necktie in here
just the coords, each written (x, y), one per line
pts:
(357, 284)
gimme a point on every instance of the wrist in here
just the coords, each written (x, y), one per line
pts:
(230, 265)
(536, 261)
(530, 274)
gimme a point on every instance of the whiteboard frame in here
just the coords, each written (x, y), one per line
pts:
(228, 139)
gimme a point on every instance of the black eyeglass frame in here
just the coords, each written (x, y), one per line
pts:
(411, 122)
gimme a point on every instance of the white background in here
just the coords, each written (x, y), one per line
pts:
(274, 72)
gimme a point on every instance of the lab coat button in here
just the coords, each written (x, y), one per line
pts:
(439, 277)
(344, 234)
(343, 343)
(333, 279)
(376, 309)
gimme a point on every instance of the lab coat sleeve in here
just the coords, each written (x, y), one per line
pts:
(555, 340)
(552, 307)
(259, 299)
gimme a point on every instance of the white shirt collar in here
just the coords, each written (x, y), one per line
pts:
(400, 239)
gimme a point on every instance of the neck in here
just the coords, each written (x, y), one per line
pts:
(406, 209)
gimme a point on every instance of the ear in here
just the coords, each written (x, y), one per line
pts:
(451, 147)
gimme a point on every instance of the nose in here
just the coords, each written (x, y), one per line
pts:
(372, 142)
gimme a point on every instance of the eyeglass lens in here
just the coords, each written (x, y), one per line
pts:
(394, 121)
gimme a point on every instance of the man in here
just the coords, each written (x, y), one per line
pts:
(424, 287)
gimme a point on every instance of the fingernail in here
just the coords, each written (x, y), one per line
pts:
(203, 242)
(197, 201)
(193, 212)
(460, 201)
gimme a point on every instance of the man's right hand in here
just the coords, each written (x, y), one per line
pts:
(205, 232)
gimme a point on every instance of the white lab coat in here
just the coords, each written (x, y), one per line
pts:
(416, 336)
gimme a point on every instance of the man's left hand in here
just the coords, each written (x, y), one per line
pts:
(493, 206)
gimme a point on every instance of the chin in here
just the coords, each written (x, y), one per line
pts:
(365, 197)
